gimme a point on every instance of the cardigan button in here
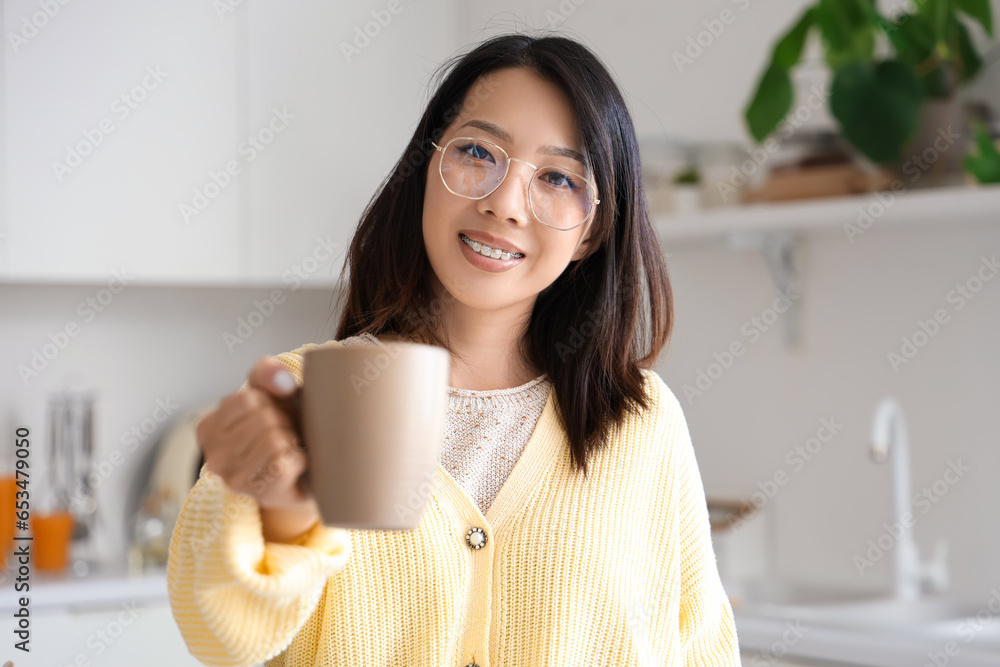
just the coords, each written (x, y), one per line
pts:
(476, 538)
(472, 664)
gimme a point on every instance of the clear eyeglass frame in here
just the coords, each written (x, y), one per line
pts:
(510, 159)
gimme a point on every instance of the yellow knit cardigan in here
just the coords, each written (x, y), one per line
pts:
(614, 569)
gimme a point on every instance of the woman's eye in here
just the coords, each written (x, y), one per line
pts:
(557, 179)
(475, 152)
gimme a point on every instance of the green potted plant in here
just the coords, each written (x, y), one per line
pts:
(687, 190)
(880, 102)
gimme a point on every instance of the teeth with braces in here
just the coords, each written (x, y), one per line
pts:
(487, 251)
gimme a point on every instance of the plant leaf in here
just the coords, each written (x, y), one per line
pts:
(848, 31)
(980, 10)
(985, 164)
(936, 12)
(969, 61)
(833, 25)
(788, 51)
(913, 38)
(878, 106)
(771, 102)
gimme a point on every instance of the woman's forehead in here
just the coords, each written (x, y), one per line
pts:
(521, 111)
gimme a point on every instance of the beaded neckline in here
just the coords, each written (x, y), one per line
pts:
(499, 392)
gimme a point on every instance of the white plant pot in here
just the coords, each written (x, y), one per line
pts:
(687, 198)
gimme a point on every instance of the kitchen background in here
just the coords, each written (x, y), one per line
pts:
(151, 252)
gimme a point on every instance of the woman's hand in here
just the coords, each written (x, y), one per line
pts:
(252, 440)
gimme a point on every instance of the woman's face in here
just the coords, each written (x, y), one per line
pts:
(533, 113)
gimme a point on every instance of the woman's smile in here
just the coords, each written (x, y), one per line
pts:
(488, 259)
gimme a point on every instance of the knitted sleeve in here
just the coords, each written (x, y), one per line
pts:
(707, 626)
(237, 599)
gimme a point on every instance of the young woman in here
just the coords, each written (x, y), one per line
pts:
(567, 522)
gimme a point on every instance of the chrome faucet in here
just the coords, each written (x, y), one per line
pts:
(889, 433)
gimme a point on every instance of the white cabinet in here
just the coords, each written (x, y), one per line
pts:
(106, 618)
(356, 76)
(119, 635)
(229, 142)
(116, 111)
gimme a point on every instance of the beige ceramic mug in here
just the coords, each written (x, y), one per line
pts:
(373, 424)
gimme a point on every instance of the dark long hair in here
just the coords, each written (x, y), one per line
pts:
(587, 328)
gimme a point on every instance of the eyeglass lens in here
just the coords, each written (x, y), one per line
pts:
(559, 197)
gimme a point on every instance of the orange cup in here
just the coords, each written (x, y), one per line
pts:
(8, 492)
(52, 536)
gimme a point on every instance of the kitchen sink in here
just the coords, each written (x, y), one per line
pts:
(884, 612)
(928, 616)
(761, 595)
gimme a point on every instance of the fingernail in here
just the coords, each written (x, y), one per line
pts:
(284, 381)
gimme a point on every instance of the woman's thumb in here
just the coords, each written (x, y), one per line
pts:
(283, 381)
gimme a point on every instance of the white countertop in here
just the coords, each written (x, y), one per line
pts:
(771, 638)
(774, 639)
(96, 590)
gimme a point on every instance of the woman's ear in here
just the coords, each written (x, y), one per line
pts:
(587, 245)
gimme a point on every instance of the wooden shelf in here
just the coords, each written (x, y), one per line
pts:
(975, 205)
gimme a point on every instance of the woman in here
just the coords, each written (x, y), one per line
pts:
(567, 522)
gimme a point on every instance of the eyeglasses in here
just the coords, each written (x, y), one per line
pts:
(559, 198)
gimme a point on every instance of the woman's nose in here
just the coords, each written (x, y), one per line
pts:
(510, 199)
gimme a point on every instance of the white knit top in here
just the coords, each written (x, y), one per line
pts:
(485, 431)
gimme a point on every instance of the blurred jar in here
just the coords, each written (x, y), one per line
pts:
(71, 417)
(51, 524)
(149, 547)
(8, 499)
(726, 169)
(662, 158)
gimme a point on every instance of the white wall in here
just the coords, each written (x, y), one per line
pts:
(858, 301)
